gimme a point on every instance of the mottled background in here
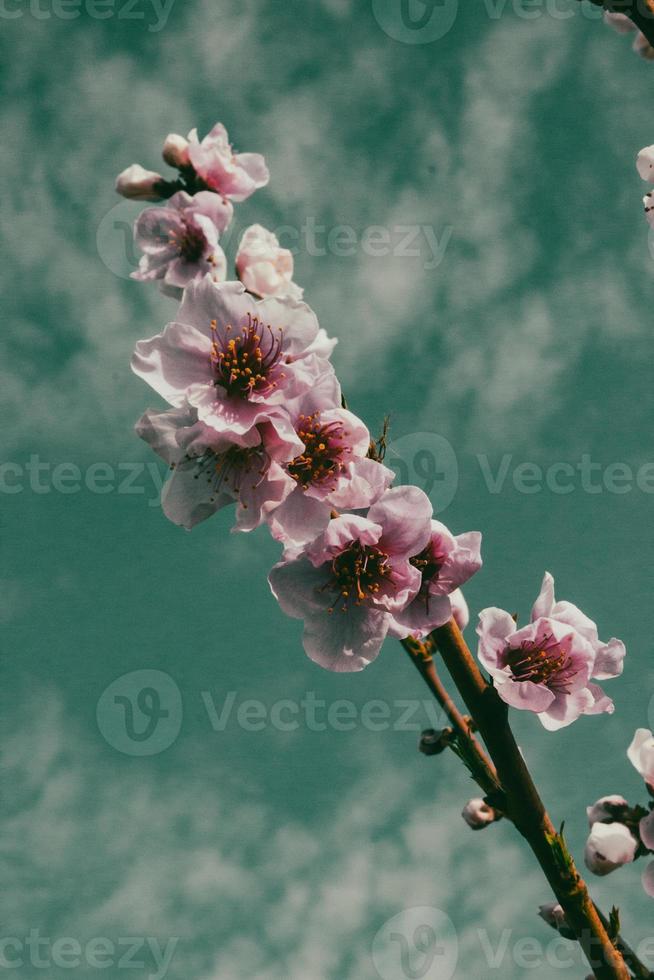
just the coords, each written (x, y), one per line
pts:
(277, 854)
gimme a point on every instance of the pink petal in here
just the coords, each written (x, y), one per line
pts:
(494, 629)
(609, 660)
(405, 515)
(173, 361)
(566, 708)
(525, 695)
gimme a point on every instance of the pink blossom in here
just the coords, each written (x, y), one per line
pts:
(234, 175)
(547, 666)
(648, 879)
(641, 754)
(263, 266)
(353, 577)
(445, 563)
(609, 846)
(234, 359)
(645, 164)
(180, 240)
(331, 473)
(210, 470)
(646, 830)
(619, 22)
(139, 184)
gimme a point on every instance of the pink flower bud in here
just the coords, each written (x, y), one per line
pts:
(641, 754)
(609, 846)
(175, 151)
(645, 163)
(263, 266)
(479, 814)
(138, 184)
(646, 831)
(554, 915)
(460, 610)
(608, 809)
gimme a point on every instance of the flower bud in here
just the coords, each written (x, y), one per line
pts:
(642, 47)
(646, 831)
(641, 751)
(608, 809)
(175, 151)
(609, 846)
(434, 742)
(263, 266)
(138, 184)
(479, 814)
(554, 915)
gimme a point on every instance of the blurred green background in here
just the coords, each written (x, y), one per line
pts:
(525, 337)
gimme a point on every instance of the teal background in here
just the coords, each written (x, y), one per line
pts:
(280, 854)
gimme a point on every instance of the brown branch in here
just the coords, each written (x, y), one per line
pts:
(525, 807)
(482, 769)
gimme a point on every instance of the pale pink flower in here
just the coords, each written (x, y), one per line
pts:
(641, 754)
(645, 164)
(180, 240)
(607, 810)
(619, 22)
(478, 814)
(211, 471)
(445, 563)
(547, 666)
(353, 577)
(332, 473)
(234, 175)
(263, 266)
(175, 151)
(234, 359)
(609, 846)
(642, 47)
(648, 879)
(139, 184)
(646, 830)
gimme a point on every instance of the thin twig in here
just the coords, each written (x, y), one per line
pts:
(525, 807)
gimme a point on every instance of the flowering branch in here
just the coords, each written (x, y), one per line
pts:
(639, 12)
(525, 807)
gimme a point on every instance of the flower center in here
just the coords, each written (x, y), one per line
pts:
(358, 574)
(228, 472)
(249, 362)
(542, 665)
(322, 459)
(191, 243)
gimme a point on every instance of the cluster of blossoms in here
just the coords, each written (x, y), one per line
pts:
(256, 418)
(620, 833)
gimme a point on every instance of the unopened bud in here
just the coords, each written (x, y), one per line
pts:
(478, 814)
(554, 915)
(175, 151)
(609, 846)
(433, 742)
(139, 184)
(608, 809)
